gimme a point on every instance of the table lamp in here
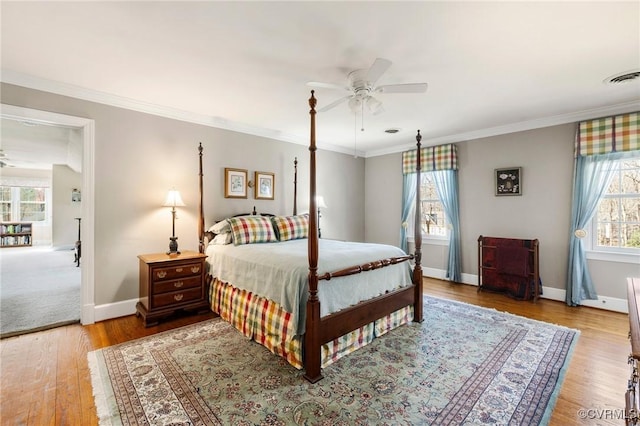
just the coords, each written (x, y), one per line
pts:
(173, 200)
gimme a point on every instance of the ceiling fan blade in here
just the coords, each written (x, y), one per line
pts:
(334, 103)
(403, 88)
(377, 69)
(321, 85)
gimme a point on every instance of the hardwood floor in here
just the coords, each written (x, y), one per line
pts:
(45, 380)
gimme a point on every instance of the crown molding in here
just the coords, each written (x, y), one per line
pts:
(78, 92)
(64, 89)
(521, 126)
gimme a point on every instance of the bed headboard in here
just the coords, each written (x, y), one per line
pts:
(204, 236)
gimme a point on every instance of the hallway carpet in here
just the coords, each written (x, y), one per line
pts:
(39, 289)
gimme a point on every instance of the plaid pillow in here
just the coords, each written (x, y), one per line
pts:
(252, 229)
(292, 227)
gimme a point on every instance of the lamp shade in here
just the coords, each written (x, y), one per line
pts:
(173, 199)
(320, 202)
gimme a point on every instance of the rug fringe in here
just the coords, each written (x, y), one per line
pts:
(106, 407)
(564, 327)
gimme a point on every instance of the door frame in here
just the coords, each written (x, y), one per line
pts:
(87, 128)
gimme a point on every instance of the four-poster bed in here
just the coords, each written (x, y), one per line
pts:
(346, 294)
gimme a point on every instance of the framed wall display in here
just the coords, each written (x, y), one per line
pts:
(76, 196)
(235, 183)
(264, 185)
(508, 181)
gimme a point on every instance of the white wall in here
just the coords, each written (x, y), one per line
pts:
(64, 211)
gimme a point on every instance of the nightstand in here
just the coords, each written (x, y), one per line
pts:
(169, 283)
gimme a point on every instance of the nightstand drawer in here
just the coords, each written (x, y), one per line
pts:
(172, 272)
(177, 297)
(176, 285)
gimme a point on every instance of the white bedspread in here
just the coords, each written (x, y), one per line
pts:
(279, 271)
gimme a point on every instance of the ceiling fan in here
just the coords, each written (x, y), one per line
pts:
(362, 87)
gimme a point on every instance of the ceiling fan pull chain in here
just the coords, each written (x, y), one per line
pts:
(355, 135)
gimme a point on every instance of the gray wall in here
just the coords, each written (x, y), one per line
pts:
(139, 157)
(543, 211)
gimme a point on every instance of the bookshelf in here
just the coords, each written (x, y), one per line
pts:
(15, 234)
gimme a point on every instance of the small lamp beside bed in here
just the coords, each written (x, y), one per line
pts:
(173, 200)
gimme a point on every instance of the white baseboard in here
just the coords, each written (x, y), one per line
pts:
(551, 293)
(93, 313)
(115, 310)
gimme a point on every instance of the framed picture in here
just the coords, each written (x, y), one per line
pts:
(508, 181)
(235, 183)
(264, 185)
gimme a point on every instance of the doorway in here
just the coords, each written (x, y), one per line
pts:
(86, 129)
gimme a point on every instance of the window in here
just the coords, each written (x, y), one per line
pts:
(23, 204)
(5, 203)
(433, 217)
(616, 224)
(32, 204)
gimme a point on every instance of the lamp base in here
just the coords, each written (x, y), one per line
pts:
(173, 245)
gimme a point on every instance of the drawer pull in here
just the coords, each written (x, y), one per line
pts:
(195, 269)
(178, 297)
(178, 269)
(178, 284)
(162, 274)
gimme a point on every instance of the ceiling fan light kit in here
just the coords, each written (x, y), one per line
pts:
(361, 84)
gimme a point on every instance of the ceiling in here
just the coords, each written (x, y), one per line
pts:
(27, 144)
(491, 67)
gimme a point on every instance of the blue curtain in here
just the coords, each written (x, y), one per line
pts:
(446, 182)
(408, 200)
(592, 175)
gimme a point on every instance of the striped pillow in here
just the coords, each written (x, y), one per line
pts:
(291, 227)
(252, 229)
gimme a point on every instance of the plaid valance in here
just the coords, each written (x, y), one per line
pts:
(441, 157)
(609, 134)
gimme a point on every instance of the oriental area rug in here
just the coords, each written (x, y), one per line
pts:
(463, 365)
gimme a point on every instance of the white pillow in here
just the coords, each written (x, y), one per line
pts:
(222, 239)
(220, 227)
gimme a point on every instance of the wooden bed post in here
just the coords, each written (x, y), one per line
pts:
(201, 212)
(312, 357)
(417, 232)
(295, 186)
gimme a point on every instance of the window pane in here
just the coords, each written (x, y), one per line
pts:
(630, 209)
(608, 210)
(5, 193)
(31, 212)
(608, 235)
(632, 233)
(5, 212)
(631, 181)
(32, 194)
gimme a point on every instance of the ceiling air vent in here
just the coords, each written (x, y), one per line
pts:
(623, 77)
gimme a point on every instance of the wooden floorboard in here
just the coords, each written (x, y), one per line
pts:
(44, 376)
